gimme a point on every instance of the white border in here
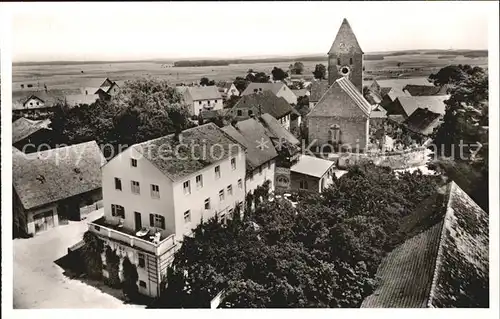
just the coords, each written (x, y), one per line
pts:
(7, 253)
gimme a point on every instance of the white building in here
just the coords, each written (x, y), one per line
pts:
(204, 98)
(164, 188)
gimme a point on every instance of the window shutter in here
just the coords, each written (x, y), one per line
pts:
(151, 220)
(162, 220)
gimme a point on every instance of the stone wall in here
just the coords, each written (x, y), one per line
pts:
(353, 131)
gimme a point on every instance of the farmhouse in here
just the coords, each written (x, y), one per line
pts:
(204, 98)
(36, 104)
(445, 265)
(423, 121)
(263, 102)
(227, 89)
(279, 89)
(34, 133)
(406, 105)
(52, 185)
(104, 88)
(155, 193)
(425, 90)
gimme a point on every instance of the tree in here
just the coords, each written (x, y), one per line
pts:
(206, 82)
(303, 105)
(279, 74)
(259, 77)
(130, 278)
(319, 72)
(298, 67)
(229, 103)
(454, 74)
(297, 85)
(91, 254)
(241, 83)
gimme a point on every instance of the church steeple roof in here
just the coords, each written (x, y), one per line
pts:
(345, 41)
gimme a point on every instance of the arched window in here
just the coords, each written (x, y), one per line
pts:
(335, 133)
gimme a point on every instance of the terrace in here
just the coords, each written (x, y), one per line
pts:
(107, 229)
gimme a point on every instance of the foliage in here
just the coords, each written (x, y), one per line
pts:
(130, 278)
(297, 85)
(303, 105)
(259, 77)
(241, 83)
(278, 74)
(204, 81)
(229, 103)
(454, 74)
(91, 254)
(113, 267)
(323, 253)
(298, 68)
(319, 72)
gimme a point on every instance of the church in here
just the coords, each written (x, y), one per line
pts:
(341, 117)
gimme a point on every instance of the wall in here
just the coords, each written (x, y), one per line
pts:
(195, 202)
(356, 68)
(259, 179)
(34, 103)
(283, 174)
(30, 223)
(213, 104)
(287, 94)
(146, 174)
(354, 131)
(295, 178)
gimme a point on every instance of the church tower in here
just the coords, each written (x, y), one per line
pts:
(345, 57)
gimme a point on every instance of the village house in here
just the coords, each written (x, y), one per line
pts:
(301, 93)
(54, 185)
(406, 105)
(260, 152)
(156, 192)
(264, 102)
(444, 263)
(37, 105)
(28, 135)
(201, 98)
(312, 173)
(279, 89)
(227, 89)
(103, 88)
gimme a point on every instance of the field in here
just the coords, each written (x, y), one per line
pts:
(74, 76)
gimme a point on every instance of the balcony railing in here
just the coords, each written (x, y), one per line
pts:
(103, 230)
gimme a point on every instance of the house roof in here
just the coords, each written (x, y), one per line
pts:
(204, 92)
(341, 89)
(301, 92)
(423, 121)
(318, 88)
(378, 112)
(210, 114)
(23, 128)
(89, 90)
(345, 40)
(224, 84)
(312, 166)
(422, 271)
(50, 98)
(77, 99)
(273, 87)
(251, 134)
(425, 90)
(276, 130)
(268, 102)
(432, 103)
(161, 152)
(49, 176)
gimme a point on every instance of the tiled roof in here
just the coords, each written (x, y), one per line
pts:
(276, 130)
(204, 93)
(49, 176)
(318, 88)
(341, 91)
(423, 121)
(23, 128)
(378, 112)
(312, 166)
(50, 97)
(425, 90)
(77, 99)
(162, 153)
(432, 103)
(262, 87)
(425, 269)
(345, 41)
(251, 134)
(224, 85)
(301, 92)
(268, 102)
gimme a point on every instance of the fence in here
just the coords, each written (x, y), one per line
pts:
(84, 211)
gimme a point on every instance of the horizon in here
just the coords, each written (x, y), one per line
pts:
(74, 32)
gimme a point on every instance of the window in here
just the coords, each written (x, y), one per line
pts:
(199, 181)
(350, 61)
(221, 195)
(135, 187)
(222, 217)
(37, 103)
(118, 183)
(233, 163)
(338, 61)
(217, 171)
(187, 216)
(133, 162)
(187, 187)
(250, 112)
(303, 185)
(142, 284)
(117, 210)
(142, 260)
(239, 112)
(230, 190)
(157, 221)
(31, 103)
(240, 183)
(155, 191)
(207, 203)
(199, 102)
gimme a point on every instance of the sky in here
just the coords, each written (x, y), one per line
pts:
(154, 30)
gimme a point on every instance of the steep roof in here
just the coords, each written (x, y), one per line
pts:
(224, 85)
(423, 121)
(50, 98)
(161, 152)
(425, 90)
(272, 87)
(268, 102)
(204, 92)
(318, 88)
(301, 92)
(432, 103)
(77, 99)
(251, 134)
(49, 176)
(446, 265)
(23, 128)
(345, 41)
(312, 166)
(341, 91)
(276, 130)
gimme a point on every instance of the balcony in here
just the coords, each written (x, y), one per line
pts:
(109, 230)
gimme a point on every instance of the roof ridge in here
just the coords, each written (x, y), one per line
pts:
(352, 92)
